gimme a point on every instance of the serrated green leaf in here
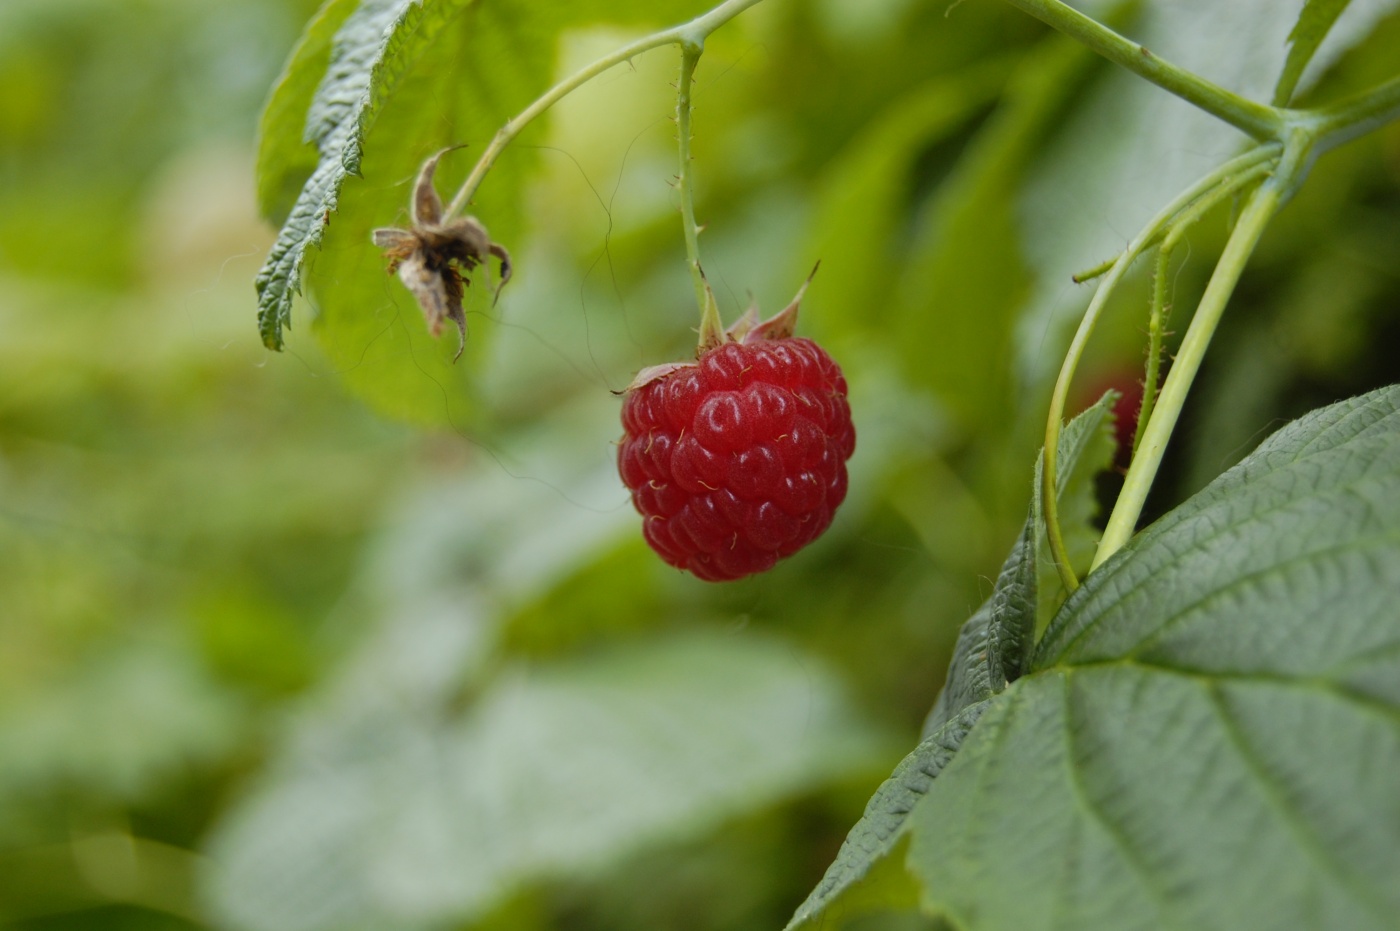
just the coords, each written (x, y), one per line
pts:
(882, 826)
(405, 822)
(455, 78)
(993, 649)
(995, 644)
(286, 155)
(372, 49)
(1211, 731)
(1314, 22)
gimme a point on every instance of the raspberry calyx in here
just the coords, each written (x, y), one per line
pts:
(738, 459)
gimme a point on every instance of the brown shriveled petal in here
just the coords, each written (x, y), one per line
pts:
(427, 206)
(432, 257)
(438, 292)
(499, 251)
(395, 242)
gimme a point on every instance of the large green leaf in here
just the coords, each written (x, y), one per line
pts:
(1211, 733)
(993, 649)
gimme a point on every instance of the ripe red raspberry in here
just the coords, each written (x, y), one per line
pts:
(738, 460)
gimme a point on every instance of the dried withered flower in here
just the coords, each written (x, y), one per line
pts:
(434, 257)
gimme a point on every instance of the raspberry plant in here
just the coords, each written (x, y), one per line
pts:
(1192, 724)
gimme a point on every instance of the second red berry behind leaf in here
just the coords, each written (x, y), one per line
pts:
(737, 460)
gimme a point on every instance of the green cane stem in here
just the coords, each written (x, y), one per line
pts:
(1262, 205)
(1156, 228)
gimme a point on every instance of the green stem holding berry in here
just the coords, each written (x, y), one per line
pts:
(689, 35)
(711, 327)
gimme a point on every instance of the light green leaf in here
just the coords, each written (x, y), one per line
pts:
(286, 154)
(1314, 22)
(861, 204)
(371, 50)
(452, 72)
(410, 820)
(965, 279)
(1210, 735)
(993, 649)
(117, 725)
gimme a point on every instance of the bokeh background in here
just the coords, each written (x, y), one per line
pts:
(331, 639)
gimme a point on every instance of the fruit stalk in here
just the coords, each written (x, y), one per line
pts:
(1184, 221)
(690, 33)
(685, 185)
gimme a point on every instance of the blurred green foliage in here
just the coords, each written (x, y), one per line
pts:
(226, 580)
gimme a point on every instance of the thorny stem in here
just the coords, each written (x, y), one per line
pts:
(1155, 228)
(1157, 317)
(710, 325)
(1156, 324)
(1260, 209)
(690, 34)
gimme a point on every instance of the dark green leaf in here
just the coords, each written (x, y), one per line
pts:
(1210, 735)
(994, 645)
(992, 650)
(286, 154)
(372, 49)
(1314, 22)
(886, 815)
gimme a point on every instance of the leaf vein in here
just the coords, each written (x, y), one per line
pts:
(1276, 795)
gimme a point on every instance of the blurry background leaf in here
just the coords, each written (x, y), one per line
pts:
(1313, 24)
(553, 770)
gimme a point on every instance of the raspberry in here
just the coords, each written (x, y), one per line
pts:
(739, 459)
